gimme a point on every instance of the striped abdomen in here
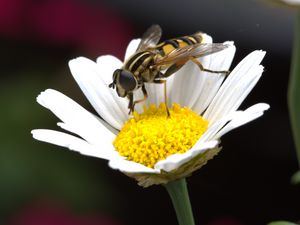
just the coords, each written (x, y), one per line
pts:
(168, 46)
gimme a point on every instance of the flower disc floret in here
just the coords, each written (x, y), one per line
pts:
(153, 136)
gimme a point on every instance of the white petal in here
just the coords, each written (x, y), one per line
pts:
(259, 107)
(79, 120)
(219, 61)
(232, 121)
(106, 70)
(155, 93)
(176, 160)
(90, 135)
(236, 87)
(132, 48)
(71, 142)
(130, 166)
(214, 128)
(292, 2)
(137, 95)
(106, 65)
(242, 118)
(105, 100)
(207, 38)
(233, 99)
(188, 80)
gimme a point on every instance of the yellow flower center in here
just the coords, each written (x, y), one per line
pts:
(153, 136)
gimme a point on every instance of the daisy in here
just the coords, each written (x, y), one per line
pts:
(148, 145)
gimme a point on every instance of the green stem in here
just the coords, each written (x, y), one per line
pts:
(180, 198)
(294, 89)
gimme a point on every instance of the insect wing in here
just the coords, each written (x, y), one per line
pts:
(196, 50)
(150, 38)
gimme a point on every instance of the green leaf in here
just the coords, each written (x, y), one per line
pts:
(282, 223)
(294, 92)
(296, 178)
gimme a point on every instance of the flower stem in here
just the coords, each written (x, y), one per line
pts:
(294, 89)
(180, 198)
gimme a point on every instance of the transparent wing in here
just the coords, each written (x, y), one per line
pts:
(196, 50)
(150, 38)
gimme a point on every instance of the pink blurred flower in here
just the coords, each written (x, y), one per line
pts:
(93, 28)
(225, 221)
(45, 213)
(11, 15)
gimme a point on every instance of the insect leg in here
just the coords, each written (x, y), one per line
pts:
(140, 100)
(226, 72)
(130, 103)
(165, 92)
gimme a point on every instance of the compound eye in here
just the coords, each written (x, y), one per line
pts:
(127, 80)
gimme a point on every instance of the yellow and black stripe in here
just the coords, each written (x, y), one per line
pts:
(141, 60)
(168, 46)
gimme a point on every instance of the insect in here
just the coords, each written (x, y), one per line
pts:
(153, 62)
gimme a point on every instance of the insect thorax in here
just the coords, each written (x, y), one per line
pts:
(141, 65)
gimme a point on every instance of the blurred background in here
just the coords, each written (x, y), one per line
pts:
(41, 184)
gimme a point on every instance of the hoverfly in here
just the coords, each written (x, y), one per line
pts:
(153, 62)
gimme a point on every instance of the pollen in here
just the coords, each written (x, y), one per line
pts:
(152, 136)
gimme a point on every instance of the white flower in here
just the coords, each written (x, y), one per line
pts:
(207, 94)
(292, 2)
(288, 3)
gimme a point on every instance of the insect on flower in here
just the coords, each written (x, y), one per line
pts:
(203, 106)
(153, 62)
